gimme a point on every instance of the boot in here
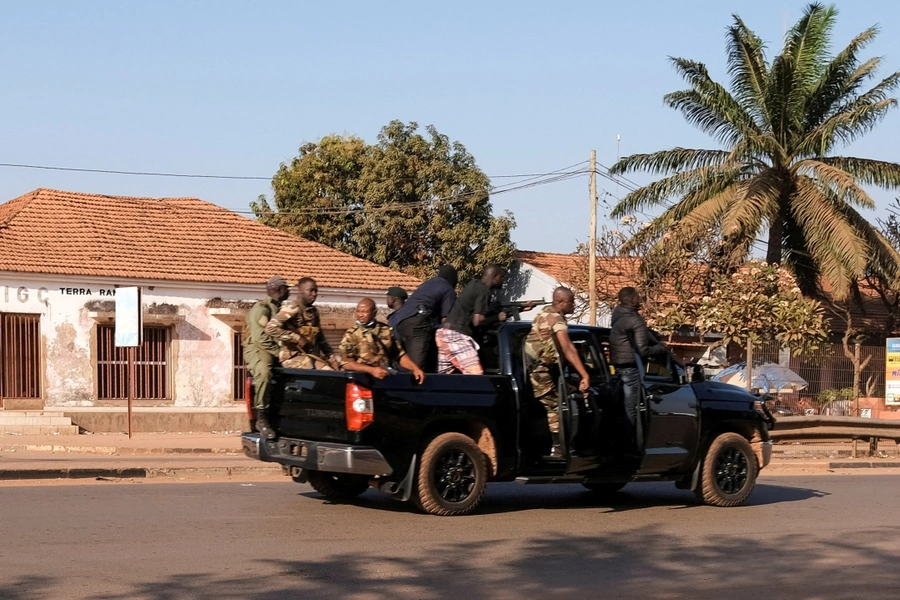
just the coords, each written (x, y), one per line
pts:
(556, 449)
(262, 425)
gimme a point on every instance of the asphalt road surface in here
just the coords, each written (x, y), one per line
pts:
(803, 537)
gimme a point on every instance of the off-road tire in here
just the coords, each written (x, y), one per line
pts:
(729, 471)
(604, 488)
(452, 476)
(337, 486)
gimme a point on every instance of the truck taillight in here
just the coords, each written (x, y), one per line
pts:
(248, 396)
(358, 402)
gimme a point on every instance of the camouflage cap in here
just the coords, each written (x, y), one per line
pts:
(397, 292)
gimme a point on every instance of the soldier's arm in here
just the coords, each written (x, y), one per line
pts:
(321, 343)
(277, 327)
(567, 348)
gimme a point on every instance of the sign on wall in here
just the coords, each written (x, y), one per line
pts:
(892, 372)
(129, 321)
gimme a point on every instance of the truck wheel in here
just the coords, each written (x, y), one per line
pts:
(337, 486)
(452, 476)
(604, 488)
(729, 471)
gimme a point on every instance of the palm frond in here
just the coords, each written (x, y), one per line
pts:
(759, 203)
(867, 171)
(840, 181)
(842, 77)
(708, 105)
(669, 161)
(834, 242)
(678, 184)
(747, 67)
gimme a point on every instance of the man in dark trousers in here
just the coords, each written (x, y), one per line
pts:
(415, 322)
(629, 336)
(470, 317)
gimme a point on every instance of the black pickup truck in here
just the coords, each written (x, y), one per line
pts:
(439, 443)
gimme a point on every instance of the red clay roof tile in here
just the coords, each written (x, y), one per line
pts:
(180, 239)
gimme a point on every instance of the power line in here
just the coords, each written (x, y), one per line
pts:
(227, 177)
(142, 173)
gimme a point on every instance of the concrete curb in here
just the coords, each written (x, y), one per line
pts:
(137, 472)
(121, 450)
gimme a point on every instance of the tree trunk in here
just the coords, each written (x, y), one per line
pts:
(776, 242)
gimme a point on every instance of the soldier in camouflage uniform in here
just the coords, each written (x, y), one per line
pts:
(371, 347)
(548, 337)
(298, 329)
(261, 350)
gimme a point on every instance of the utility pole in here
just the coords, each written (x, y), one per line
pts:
(592, 243)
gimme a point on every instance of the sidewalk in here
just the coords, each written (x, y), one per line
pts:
(218, 455)
(112, 455)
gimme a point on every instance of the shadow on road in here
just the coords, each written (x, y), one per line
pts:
(514, 497)
(645, 562)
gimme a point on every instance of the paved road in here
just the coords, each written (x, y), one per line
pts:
(829, 536)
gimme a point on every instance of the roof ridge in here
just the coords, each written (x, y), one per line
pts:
(13, 209)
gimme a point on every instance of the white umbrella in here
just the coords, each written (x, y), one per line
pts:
(769, 377)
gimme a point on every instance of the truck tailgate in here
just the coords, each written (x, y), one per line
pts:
(310, 405)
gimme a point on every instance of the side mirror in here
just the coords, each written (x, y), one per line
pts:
(695, 373)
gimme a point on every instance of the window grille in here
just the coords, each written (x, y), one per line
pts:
(20, 356)
(151, 365)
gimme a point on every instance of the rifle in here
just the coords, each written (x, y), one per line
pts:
(512, 309)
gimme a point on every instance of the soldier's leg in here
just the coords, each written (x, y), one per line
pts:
(259, 365)
(307, 361)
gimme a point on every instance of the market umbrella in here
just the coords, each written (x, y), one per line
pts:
(769, 377)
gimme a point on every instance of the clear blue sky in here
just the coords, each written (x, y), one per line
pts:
(234, 88)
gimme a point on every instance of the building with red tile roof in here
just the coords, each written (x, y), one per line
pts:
(170, 239)
(200, 267)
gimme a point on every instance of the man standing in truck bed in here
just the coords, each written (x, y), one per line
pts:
(298, 329)
(261, 350)
(548, 338)
(469, 317)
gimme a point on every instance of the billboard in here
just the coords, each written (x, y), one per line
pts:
(892, 373)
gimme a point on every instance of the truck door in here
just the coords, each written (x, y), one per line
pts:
(671, 432)
(581, 415)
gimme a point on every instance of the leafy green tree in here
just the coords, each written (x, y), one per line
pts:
(409, 202)
(761, 302)
(775, 172)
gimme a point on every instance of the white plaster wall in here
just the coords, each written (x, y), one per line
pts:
(541, 285)
(201, 343)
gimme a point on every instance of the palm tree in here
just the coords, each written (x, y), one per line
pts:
(775, 173)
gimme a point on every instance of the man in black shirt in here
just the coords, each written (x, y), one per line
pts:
(470, 316)
(414, 323)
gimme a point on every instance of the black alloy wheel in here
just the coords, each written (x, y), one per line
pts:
(731, 471)
(452, 475)
(728, 472)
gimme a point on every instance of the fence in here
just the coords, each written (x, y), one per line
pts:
(830, 376)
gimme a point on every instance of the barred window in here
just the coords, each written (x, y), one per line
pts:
(20, 356)
(238, 366)
(151, 365)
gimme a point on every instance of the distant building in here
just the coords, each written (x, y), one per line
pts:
(200, 267)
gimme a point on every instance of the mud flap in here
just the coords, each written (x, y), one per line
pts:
(405, 491)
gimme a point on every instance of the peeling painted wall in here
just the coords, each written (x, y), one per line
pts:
(201, 342)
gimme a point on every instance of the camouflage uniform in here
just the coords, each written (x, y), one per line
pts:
(543, 358)
(373, 346)
(261, 350)
(299, 331)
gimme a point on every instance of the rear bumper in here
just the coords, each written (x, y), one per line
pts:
(317, 456)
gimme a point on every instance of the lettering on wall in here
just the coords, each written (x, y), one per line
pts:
(22, 293)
